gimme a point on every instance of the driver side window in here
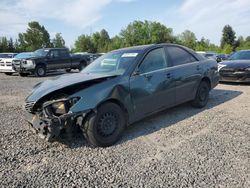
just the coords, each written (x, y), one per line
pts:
(154, 60)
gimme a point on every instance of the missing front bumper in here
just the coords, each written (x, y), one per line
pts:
(49, 129)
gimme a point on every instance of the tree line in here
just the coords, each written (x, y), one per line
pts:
(136, 33)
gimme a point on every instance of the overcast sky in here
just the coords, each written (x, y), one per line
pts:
(205, 18)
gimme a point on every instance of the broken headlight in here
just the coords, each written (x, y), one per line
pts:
(60, 106)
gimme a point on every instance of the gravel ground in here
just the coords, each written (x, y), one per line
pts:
(179, 147)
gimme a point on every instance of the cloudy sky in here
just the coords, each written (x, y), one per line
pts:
(205, 18)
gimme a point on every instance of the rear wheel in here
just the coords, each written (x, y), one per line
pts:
(105, 127)
(40, 71)
(8, 73)
(202, 95)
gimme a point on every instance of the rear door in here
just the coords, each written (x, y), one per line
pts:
(53, 59)
(187, 73)
(151, 89)
(65, 59)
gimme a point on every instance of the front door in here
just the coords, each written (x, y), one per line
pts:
(152, 89)
(53, 60)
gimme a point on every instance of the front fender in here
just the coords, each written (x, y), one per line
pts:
(114, 89)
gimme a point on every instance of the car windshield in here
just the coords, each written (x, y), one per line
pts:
(6, 55)
(113, 63)
(241, 55)
(41, 53)
(24, 55)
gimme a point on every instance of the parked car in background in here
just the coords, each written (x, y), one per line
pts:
(209, 55)
(6, 63)
(236, 68)
(119, 88)
(47, 59)
(221, 57)
(91, 56)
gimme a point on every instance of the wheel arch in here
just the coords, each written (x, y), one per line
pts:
(41, 64)
(207, 80)
(120, 104)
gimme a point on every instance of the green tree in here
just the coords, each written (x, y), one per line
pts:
(202, 45)
(227, 49)
(101, 41)
(188, 39)
(228, 37)
(11, 47)
(36, 36)
(4, 44)
(140, 33)
(243, 44)
(116, 43)
(84, 44)
(58, 41)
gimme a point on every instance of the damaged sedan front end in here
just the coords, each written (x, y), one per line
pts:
(52, 117)
(53, 107)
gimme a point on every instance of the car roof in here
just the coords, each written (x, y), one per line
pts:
(149, 46)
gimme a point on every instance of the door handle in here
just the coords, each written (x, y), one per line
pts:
(148, 76)
(168, 75)
(198, 67)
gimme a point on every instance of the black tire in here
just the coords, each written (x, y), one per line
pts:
(105, 127)
(23, 74)
(202, 95)
(82, 65)
(8, 73)
(68, 70)
(40, 71)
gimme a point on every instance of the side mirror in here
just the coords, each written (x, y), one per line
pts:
(218, 59)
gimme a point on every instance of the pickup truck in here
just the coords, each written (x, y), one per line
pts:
(47, 59)
(6, 60)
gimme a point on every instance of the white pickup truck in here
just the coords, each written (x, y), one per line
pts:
(7, 60)
(6, 63)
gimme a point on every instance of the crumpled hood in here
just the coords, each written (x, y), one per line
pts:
(242, 64)
(43, 88)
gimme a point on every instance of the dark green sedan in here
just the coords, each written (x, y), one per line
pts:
(119, 88)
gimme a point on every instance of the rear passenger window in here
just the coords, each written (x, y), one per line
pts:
(154, 60)
(180, 56)
(64, 53)
(54, 54)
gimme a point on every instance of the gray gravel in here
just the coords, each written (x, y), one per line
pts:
(180, 147)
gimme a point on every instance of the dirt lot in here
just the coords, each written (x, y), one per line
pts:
(180, 147)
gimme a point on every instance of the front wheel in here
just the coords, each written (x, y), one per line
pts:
(202, 95)
(40, 71)
(105, 127)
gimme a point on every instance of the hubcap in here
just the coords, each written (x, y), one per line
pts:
(203, 93)
(107, 124)
(40, 71)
